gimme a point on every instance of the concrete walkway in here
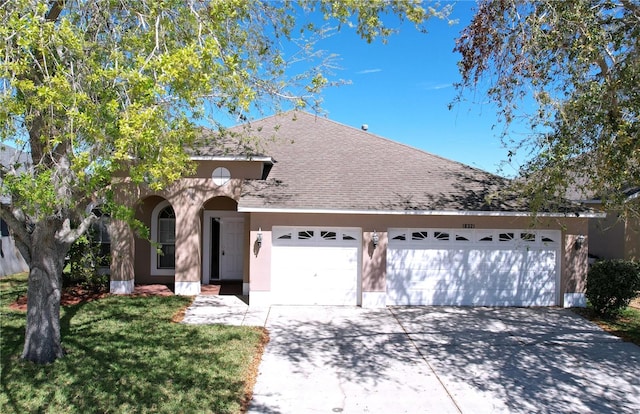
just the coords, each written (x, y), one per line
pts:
(433, 360)
(225, 310)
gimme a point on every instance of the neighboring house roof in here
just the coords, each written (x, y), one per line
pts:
(583, 193)
(582, 190)
(323, 165)
(629, 193)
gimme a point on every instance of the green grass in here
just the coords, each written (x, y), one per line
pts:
(626, 325)
(124, 355)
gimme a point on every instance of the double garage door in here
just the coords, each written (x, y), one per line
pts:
(472, 267)
(315, 265)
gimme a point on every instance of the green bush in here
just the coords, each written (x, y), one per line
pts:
(612, 284)
(83, 267)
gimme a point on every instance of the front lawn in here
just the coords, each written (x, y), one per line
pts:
(626, 325)
(125, 355)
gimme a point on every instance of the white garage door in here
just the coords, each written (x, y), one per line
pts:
(473, 267)
(315, 266)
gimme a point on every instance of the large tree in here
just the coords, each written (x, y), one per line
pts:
(89, 88)
(570, 72)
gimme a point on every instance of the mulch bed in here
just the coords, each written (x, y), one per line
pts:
(74, 295)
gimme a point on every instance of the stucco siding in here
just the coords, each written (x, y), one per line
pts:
(632, 239)
(244, 169)
(575, 259)
(607, 237)
(374, 262)
(188, 197)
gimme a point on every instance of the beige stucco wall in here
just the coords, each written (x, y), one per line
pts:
(244, 169)
(632, 239)
(574, 263)
(188, 197)
(374, 262)
(615, 237)
(607, 237)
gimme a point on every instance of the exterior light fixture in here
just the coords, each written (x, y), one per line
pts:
(375, 239)
(580, 241)
(259, 237)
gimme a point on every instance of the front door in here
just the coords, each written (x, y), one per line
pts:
(231, 243)
(223, 243)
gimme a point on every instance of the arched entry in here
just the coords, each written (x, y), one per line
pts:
(223, 244)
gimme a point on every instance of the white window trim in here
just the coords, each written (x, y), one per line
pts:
(221, 176)
(155, 271)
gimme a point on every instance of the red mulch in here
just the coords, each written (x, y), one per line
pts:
(74, 295)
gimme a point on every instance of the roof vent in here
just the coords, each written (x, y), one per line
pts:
(365, 127)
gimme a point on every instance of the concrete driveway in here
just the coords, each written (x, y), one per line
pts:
(440, 360)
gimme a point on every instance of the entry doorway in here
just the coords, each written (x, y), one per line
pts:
(223, 246)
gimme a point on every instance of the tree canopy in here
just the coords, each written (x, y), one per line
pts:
(579, 61)
(90, 88)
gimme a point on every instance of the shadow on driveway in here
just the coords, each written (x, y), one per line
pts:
(441, 360)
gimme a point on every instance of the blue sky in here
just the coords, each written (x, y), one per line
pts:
(402, 90)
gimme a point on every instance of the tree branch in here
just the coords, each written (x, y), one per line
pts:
(635, 9)
(55, 10)
(16, 224)
(68, 235)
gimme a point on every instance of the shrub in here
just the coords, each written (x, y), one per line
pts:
(611, 284)
(84, 265)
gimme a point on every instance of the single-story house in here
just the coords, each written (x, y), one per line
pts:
(334, 215)
(11, 261)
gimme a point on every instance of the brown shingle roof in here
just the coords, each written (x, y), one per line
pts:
(324, 165)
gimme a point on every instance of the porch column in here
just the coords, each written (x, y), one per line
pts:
(188, 249)
(122, 279)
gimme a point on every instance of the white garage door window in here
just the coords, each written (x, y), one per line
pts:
(315, 266)
(473, 267)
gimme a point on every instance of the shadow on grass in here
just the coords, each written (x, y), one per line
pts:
(125, 355)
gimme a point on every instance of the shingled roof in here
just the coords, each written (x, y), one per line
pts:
(324, 165)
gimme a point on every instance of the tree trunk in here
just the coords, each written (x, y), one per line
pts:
(42, 336)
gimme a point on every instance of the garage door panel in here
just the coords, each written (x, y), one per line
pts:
(468, 281)
(464, 297)
(421, 260)
(316, 270)
(510, 272)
